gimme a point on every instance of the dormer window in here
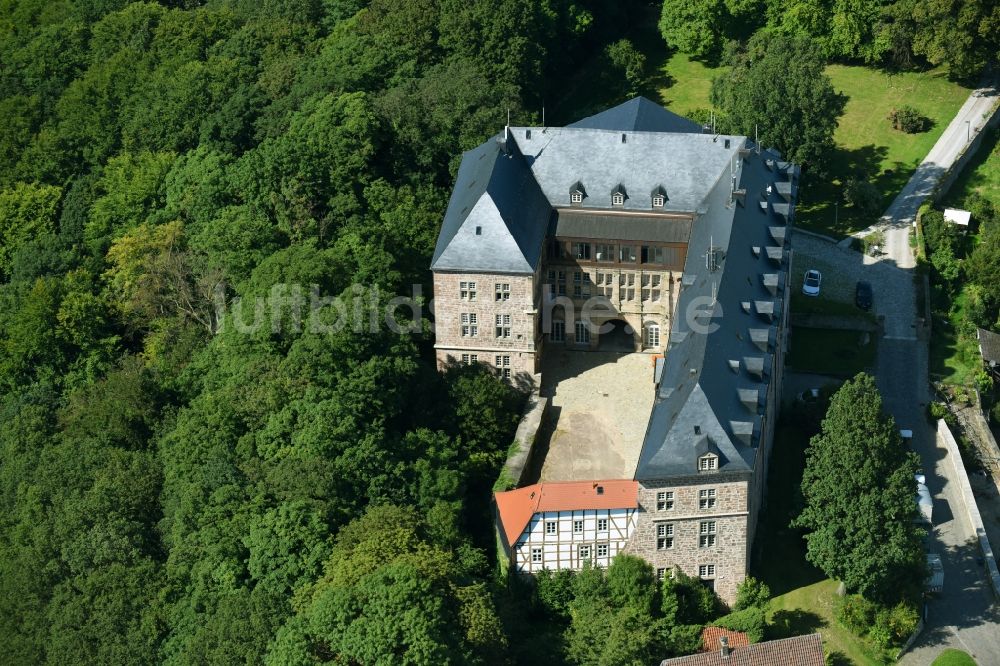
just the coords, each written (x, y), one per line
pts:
(659, 196)
(708, 463)
(577, 193)
(618, 196)
(576, 197)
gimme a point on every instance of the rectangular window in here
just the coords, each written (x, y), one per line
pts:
(503, 366)
(602, 550)
(651, 254)
(652, 335)
(555, 249)
(536, 555)
(626, 254)
(582, 333)
(584, 551)
(503, 326)
(577, 284)
(604, 252)
(581, 251)
(467, 291)
(706, 498)
(665, 500)
(706, 534)
(706, 570)
(551, 527)
(470, 324)
(707, 463)
(577, 527)
(558, 331)
(503, 291)
(602, 524)
(664, 536)
(469, 359)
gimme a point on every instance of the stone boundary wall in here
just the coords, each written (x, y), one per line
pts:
(519, 460)
(949, 177)
(806, 232)
(837, 322)
(913, 637)
(975, 519)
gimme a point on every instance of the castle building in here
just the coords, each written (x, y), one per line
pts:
(637, 230)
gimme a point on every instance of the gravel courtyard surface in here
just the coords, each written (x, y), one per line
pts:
(600, 405)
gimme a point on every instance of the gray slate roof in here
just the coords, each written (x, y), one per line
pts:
(638, 115)
(496, 192)
(989, 346)
(685, 165)
(709, 376)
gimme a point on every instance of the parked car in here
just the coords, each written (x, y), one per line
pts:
(811, 282)
(863, 295)
(935, 582)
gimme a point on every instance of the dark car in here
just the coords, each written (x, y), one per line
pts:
(863, 295)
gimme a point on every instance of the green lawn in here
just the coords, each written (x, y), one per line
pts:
(982, 175)
(831, 352)
(868, 147)
(805, 599)
(952, 657)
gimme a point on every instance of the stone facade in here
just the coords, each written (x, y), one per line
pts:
(688, 511)
(466, 307)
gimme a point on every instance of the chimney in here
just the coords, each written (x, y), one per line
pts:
(724, 644)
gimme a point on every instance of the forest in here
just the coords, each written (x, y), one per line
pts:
(179, 484)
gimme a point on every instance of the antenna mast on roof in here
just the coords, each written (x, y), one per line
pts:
(543, 117)
(506, 127)
(756, 141)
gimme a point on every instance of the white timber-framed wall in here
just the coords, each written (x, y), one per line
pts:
(562, 549)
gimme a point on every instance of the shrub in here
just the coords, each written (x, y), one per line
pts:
(907, 119)
(752, 593)
(936, 411)
(857, 613)
(864, 196)
(903, 620)
(879, 633)
(749, 620)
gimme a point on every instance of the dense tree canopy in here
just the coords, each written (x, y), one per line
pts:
(183, 437)
(776, 89)
(859, 496)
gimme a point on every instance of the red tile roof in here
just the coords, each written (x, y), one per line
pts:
(796, 651)
(710, 638)
(516, 507)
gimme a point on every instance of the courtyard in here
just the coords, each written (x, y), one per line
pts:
(600, 403)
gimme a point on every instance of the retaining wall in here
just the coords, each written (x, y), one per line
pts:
(969, 500)
(519, 461)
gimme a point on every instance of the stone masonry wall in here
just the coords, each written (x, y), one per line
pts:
(449, 306)
(731, 550)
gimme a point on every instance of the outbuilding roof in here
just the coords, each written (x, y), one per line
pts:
(989, 346)
(795, 651)
(516, 507)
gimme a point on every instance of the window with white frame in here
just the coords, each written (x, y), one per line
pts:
(577, 527)
(467, 291)
(502, 291)
(665, 500)
(470, 324)
(617, 199)
(503, 366)
(576, 196)
(706, 534)
(708, 463)
(551, 527)
(706, 498)
(664, 536)
(584, 551)
(469, 359)
(558, 331)
(657, 201)
(503, 325)
(582, 333)
(602, 524)
(652, 335)
(536, 555)
(602, 550)
(706, 571)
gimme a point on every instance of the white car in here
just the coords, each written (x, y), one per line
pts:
(811, 281)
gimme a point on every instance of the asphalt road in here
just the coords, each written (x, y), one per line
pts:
(964, 616)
